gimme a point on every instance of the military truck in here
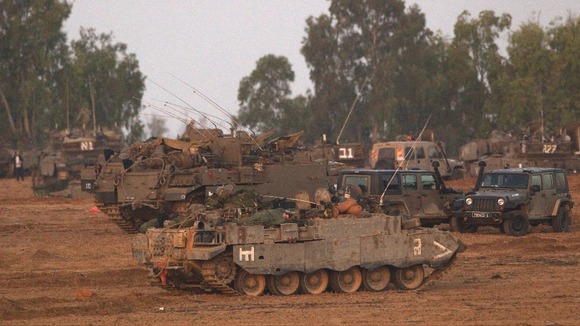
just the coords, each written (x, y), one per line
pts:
(416, 194)
(306, 255)
(513, 199)
(413, 154)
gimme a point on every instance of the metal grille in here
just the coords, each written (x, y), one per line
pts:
(162, 243)
(484, 204)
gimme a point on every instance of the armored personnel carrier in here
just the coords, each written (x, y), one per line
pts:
(531, 148)
(165, 176)
(67, 155)
(306, 254)
(6, 162)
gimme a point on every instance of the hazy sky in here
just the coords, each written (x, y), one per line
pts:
(211, 45)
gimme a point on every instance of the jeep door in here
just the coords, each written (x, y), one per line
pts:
(410, 193)
(539, 201)
(430, 195)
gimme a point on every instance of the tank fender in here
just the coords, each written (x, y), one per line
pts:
(205, 252)
(432, 249)
(417, 246)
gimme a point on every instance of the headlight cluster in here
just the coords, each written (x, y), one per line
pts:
(501, 201)
(468, 201)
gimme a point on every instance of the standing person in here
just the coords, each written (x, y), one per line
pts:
(18, 169)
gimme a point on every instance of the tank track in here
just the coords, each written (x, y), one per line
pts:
(438, 273)
(113, 212)
(219, 283)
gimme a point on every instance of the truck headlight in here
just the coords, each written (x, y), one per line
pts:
(469, 201)
(501, 201)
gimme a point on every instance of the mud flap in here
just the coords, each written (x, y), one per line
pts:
(139, 248)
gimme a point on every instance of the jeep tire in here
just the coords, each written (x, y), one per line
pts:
(561, 222)
(458, 225)
(517, 224)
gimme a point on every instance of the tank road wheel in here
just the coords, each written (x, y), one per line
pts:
(346, 281)
(314, 283)
(286, 284)
(561, 222)
(458, 225)
(409, 278)
(376, 279)
(223, 268)
(250, 284)
(517, 225)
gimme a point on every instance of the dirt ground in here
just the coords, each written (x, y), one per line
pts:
(63, 264)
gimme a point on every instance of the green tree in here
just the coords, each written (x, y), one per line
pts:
(563, 96)
(45, 83)
(521, 91)
(540, 82)
(32, 52)
(264, 96)
(108, 77)
(479, 65)
(375, 49)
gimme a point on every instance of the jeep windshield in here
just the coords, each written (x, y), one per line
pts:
(505, 180)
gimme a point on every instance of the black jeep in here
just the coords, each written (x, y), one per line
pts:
(512, 199)
(414, 194)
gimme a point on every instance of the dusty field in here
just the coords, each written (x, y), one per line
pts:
(62, 264)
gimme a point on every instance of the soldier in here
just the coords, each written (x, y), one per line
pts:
(18, 168)
(84, 116)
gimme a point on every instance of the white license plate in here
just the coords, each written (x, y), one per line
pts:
(480, 214)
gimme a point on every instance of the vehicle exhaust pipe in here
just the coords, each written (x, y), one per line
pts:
(482, 165)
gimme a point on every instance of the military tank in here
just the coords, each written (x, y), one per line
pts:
(6, 162)
(307, 253)
(531, 148)
(67, 155)
(165, 175)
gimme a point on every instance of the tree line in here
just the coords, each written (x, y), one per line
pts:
(375, 62)
(401, 73)
(48, 83)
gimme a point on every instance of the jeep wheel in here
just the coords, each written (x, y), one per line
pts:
(517, 225)
(561, 222)
(458, 225)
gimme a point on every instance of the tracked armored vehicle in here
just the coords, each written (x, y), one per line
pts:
(529, 149)
(6, 162)
(165, 176)
(305, 255)
(68, 154)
